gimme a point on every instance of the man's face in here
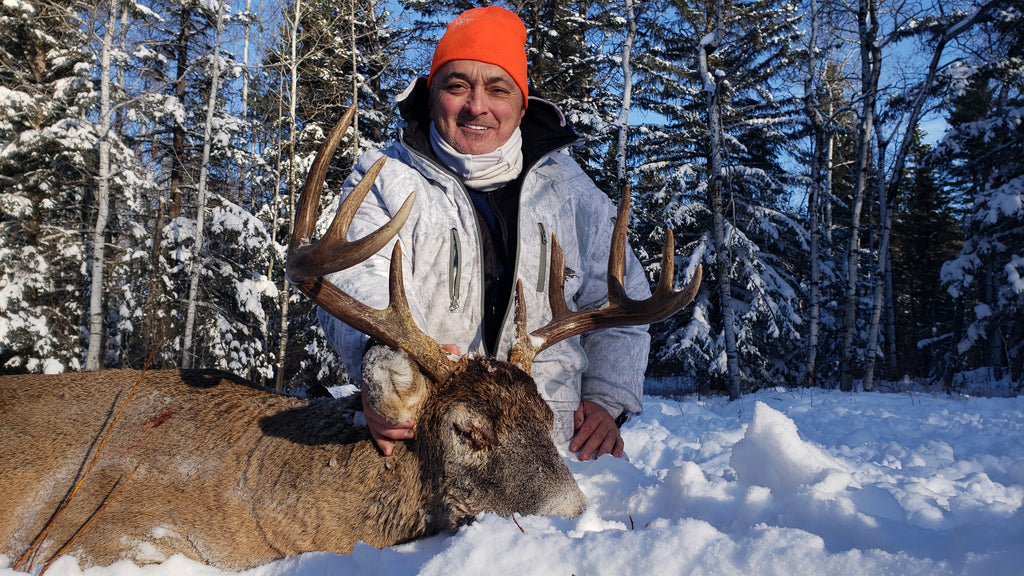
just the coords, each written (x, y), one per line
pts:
(476, 106)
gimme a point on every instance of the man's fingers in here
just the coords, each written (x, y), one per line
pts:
(578, 417)
(386, 446)
(596, 432)
(602, 441)
(383, 431)
(584, 430)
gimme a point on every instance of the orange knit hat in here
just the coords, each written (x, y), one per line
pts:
(490, 34)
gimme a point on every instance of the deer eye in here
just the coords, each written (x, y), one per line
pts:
(475, 435)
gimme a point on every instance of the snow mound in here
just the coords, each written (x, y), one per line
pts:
(771, 454)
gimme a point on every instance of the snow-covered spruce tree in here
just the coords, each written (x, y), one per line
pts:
(176, 57)
(118, 209)
(234, 291)
(46, 166)
(574, 53)
(177, 42)
(348, 54)
(925, 234)
(767, 245)
(984, 148)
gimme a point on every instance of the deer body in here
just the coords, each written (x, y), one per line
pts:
(235, 476)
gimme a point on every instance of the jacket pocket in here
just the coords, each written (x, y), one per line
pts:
(454, 270)
(542, 264)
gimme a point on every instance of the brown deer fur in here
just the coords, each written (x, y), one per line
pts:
(235, 476)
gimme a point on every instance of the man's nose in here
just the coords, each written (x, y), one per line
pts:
(476, 102)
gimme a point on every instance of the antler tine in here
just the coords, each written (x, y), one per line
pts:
(309, 198)
(620, 310)
(307, 260)
(307, 263)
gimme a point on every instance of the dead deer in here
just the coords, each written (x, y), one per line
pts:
(205, 464)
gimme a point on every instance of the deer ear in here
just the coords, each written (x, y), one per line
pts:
(394, 384)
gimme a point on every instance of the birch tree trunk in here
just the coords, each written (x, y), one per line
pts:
(818, 138)
(827, 192)
(286, 288)
(891, 364)
(712, 90)
(94, 355)
(627, 95)
(355, 81)
(867, 26)
(245, 101)
(885, 224)
(275, 206)
(197, 252)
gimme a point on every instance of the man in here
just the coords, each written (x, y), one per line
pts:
(492, 186)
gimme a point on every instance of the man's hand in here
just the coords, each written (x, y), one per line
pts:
(383, 431)
(596, 432)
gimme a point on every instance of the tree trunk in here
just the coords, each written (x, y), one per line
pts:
(286, 287)
(888, 187)
(157, 324)
(818, 138)
(712, 91)
(94, 356)
(355, 81)
(627, 94)
(867, 25)
(187, 358)
(240, 200)
(892, 363)
(885, 224)
(275, 206)
(826, 196)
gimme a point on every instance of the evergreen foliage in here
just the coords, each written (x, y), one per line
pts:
(985, 151)
(47, 155)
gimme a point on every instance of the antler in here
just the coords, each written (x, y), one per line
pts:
(307, 263)
(620, 310)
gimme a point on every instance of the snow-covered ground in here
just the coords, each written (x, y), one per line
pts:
(780, 482)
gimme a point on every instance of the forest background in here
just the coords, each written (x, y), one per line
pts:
(151, 153)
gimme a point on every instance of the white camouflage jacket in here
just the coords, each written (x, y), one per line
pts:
(441, 252)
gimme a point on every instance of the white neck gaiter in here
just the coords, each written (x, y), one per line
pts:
(484, 172)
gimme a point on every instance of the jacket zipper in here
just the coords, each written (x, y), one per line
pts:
(542, 266)
(454, 271)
